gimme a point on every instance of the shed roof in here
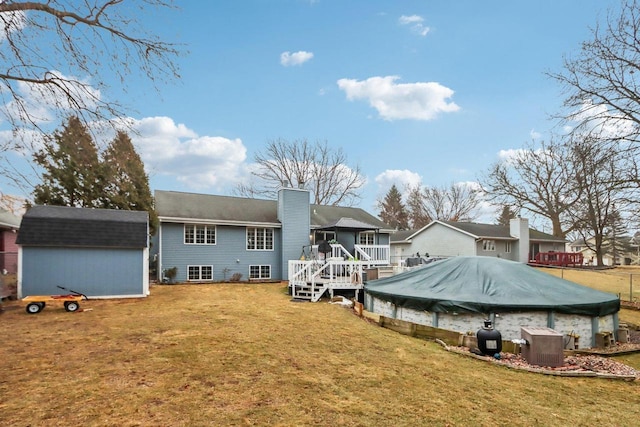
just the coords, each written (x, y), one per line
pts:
(83, 227)
(488, 284)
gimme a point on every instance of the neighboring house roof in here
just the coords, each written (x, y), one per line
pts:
(175, 206)
(402, 236)
(579, 242)
(83, 227)
(9, 220)
(477, 231)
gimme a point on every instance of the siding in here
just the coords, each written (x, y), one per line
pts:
(500, 250)
(8, 251)
(230, 247)
(93, 272)
(293, 214)
(439, 240)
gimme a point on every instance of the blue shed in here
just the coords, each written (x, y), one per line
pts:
(102, 253)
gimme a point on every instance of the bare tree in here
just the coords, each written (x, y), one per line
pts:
(418, 216)
(61, 56)
(315, 166)
(458, 202)
(601, 82)
(603, 194)
(12, 204)
(536, 179)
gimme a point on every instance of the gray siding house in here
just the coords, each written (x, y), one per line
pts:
(516, 242)
(212, 238)
(102, 253)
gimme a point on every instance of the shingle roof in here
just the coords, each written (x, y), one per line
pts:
(179, 206)
(82, 227)
(224, 209)
(493, 231)
(401, 236)
(478, 230)
(326, 216)
(8, 220)
(482, 230)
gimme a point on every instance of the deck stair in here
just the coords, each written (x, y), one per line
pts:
(309, 280)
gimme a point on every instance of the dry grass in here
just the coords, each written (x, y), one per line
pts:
(622, 281)
(246, 355)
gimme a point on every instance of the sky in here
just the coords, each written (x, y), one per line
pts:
(429, 92)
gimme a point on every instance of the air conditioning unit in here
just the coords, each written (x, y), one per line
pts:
(544, 346)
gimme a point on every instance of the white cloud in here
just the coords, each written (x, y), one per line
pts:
(297, 58)
(46, 103)
(417, 101)
(11, 22)
(535, 135)
(510, 153)
(401, 179)
(172, 149)
(415, 22)
(406, 20)
(599, 120)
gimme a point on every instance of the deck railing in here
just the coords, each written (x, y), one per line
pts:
(315, 277)
(374, 254)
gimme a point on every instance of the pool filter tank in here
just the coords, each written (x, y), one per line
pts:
(489, 340)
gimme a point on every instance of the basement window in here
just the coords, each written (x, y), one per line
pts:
(197, 273)
(259, 272)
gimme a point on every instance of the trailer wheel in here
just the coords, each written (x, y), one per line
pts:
(42, 305)
(71, 306)
(33, 308)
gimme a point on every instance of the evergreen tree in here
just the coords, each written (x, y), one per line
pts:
(506, 215)
(126, 182)
(616, 241)
(71, 168)
(393, 211)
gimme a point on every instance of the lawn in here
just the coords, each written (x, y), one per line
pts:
(237, 354)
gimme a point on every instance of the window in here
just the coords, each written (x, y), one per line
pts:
(325, 235)
(259, 239)
(199, 272)
(259, 272)
(489, 245)
(507, 247)
(366, 238)
(199, 234)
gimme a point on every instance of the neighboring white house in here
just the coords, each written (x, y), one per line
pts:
(517, 242)
(589, 255)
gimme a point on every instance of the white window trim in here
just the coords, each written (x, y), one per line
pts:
(263, 249)
(200, 279)
(367, 233)
(206, 228)
(488, 245)
(259, 266)
(507, 247)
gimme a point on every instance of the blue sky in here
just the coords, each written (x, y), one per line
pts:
(429, 91)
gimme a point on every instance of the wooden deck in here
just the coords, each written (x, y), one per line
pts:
(309, 280)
